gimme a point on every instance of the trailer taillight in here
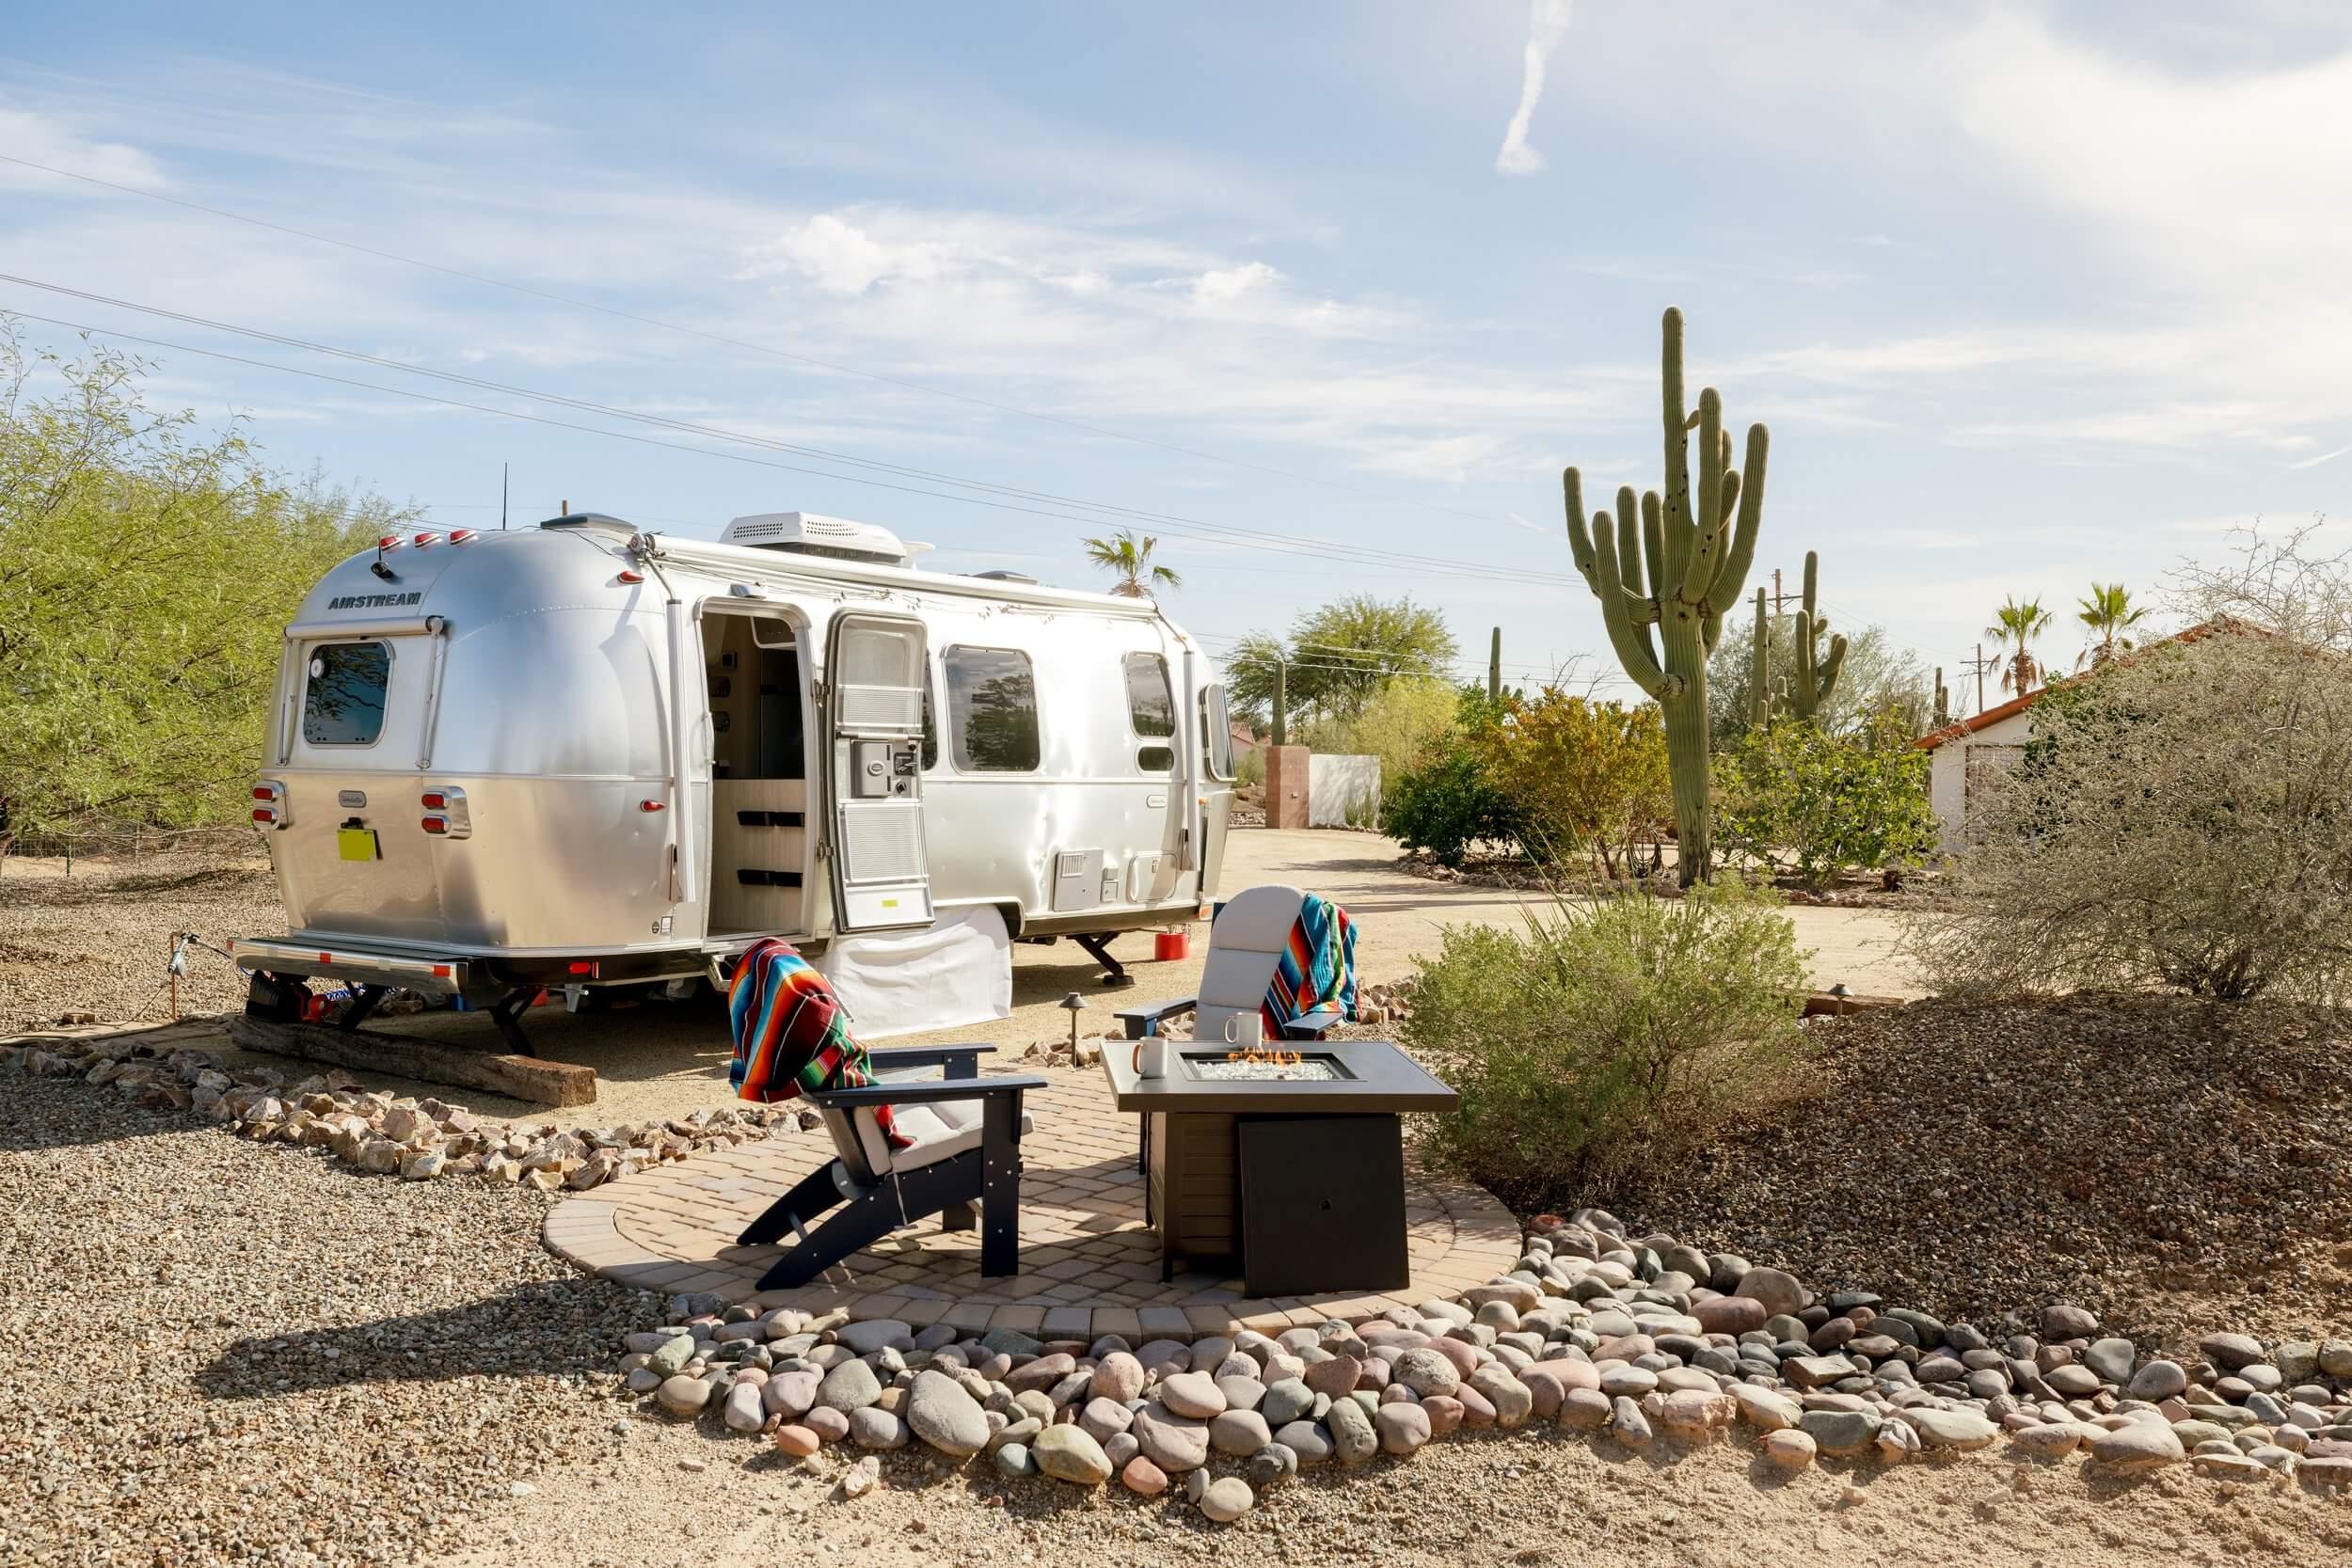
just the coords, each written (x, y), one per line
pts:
(272, 811)
(653, 805)
(447, 815)
(265, 816)
(436, 825)
(630, 576)
(433, 800)
(579, 968)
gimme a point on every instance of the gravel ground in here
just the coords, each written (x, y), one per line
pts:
(222, 1352)
(2175, 1166)
(97, 941)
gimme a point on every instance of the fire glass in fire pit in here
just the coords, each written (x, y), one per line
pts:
(1265, 1066)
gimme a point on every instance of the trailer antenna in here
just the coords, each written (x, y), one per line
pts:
(501, 498)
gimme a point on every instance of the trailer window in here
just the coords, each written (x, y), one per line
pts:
(992, 710)
(1152, 709)
(1217, 734)
(344, 704)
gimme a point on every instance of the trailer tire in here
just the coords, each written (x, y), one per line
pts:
(275, 997)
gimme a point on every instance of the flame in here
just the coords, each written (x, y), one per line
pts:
(1262, 1056)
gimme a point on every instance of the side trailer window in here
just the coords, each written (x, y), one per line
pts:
(1217, 734)
(992, 710)
(343, 703)
(1152, 708)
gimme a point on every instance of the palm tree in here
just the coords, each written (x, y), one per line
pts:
(2107, 612)
(2016, 626)
(1129, 558)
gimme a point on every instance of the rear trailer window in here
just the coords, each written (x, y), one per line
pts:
(343, 703)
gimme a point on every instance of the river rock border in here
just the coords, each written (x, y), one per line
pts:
(1634, 1340)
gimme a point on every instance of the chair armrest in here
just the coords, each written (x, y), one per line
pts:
(960, 1060)
(922, 1092)
(1140, 1021)
(1313, 1024)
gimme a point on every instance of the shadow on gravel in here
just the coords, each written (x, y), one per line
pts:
(39, 1114)
(556, 1327)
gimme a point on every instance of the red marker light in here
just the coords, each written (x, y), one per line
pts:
(588, 969)
(424, 540)
(653, 805)
(434, 800)
(262, 814)
(263, 792)
(435, 824)
(460, 536)
(389, 541)
(630, 576)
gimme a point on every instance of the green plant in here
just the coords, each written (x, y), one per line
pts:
(1696, 557)
(1809, 689)
(1447, 805)
(1875, 677)
(2015, 626)
(1128, 558)
(1605, 1035)
(1401, 723)
(1799, 799)
(1338, 658)
(2109, 612)
(1582, 776)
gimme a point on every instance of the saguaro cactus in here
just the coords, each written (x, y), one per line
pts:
(1676, 562)
(1760, 670)
(1817, 672)
(1943, 699)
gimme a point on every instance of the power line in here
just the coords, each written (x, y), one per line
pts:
(1324, 550)
(1173, 523)
(737, 342)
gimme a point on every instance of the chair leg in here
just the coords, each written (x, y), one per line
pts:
(958, 1217)
(811, 1196)
(862, 1223)
(1000, 1186)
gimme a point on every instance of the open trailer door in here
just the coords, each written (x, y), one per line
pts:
(875, 672)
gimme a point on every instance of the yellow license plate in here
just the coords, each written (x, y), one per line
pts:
(356, 843)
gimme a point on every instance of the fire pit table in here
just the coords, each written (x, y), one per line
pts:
(1294, 1165)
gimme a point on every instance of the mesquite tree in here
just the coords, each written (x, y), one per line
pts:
(1676, 562)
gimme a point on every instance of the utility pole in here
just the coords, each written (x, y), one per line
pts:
(1777, 595)
(1981, 664)
(501, 498)
(1494, 668)
(1282, 669)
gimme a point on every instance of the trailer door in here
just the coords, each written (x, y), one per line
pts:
(875, 672)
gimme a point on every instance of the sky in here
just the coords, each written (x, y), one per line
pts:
(1323, 295)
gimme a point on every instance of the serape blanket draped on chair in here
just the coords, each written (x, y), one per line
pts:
(791, 1032)
(1317, 968)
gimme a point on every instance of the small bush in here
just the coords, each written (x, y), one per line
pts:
(1582, 776)
(1799, 799)
(1403, 723)
(1605, 1034)
(1446, 807)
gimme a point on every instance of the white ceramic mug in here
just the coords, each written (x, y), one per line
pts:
(1245, 1031)
(1151, 1057)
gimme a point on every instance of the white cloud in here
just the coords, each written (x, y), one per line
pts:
(48, 138)
(1547, 25)
(1220, 285)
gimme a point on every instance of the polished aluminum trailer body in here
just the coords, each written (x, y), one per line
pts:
(583, 754)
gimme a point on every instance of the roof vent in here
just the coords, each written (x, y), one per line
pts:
(807, 533)
(1000, 575)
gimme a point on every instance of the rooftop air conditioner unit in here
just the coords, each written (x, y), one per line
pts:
(807, 533)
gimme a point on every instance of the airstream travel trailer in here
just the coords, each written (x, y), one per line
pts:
(582, 754)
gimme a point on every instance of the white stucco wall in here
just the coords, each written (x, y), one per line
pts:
(1342, 792)
(1947, 768)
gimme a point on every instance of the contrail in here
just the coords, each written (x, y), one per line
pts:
(2323, 457)
(1547, 25)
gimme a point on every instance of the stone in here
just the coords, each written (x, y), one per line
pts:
(2158, 1381)
(872, 1427)
(743, 1412)
(1787, 1450)
(1627, 1425)
(1816, 1371)
(1013, 1461)
(1334, 1376)
(2111, 1358)
(1227, 1498)
(861, 1478)
(2050, 1440)
(943, 1414)
(850, 1385)
(1067, 1453)
(1193, 1394)
(1898, 1442)
(797, 1442)
(1512, 1400)
(2072, 1382)
(1106, 1419)
(2335, 1359)
(1238, 1433)
(1401, 1427)
(2062, 1320)
(1763, 1409)
(1779, 1291)
(1733, 1315)
(1426, 1371)
(1840, 1432)
(682, 1395)
(1119, 1378)
(672, 1354)
(1042, 1373)
(1308, 1441)
(1143, 1478)
(1285, 1401)
(1585, 1410)
(831, 1426)
(1625, 1381)
(2138, 1446)
(1963, 1430)
(2230, 1352)
(1174, 1443)
(865, 1339)
(1353, 1439)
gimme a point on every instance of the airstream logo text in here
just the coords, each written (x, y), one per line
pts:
(375, 601)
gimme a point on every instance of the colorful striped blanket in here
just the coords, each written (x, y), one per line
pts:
(791, 1032)
(1317, 968)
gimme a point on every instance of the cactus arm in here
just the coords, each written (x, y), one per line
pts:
(1707, 534)
(1760, 670)
(1801, 687)
(1653, 542)
(1829, 667)
(1676, 517)
(1733, 574)
(1710, 629)
(1629, 637)
(1579, 543)
(1731, 502)
(1629, 557)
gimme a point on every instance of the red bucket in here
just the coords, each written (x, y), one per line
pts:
(1169, 947)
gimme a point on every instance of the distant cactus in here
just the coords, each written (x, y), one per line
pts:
(1943, 699)
(1817, 675)
(1760, 670)
(1676, 562)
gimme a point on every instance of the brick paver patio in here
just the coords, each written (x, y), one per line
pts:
(1089, 1265)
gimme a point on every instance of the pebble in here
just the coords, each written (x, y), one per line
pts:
(1227, 1498)
(682, 1395)
(1143, 1478)
(797, 1441)
(1068, 1452)
(861, 1478)
(943, 1415)
(1192, 1394)
(2137, 1446)
(1401, 1427)
(1787, 1450)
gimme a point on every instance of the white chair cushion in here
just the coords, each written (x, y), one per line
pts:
(940, 1128)
(1257, 919)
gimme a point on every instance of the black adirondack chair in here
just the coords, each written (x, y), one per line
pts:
(966, 1150)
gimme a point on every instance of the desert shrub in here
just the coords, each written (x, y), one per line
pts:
(2182, 815)
(1582, 776)
(1249, 768)
(1800, 799)
(1604, 1033)
(1401, 724)
(1448, 806)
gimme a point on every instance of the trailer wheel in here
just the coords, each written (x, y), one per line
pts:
(275, 997)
